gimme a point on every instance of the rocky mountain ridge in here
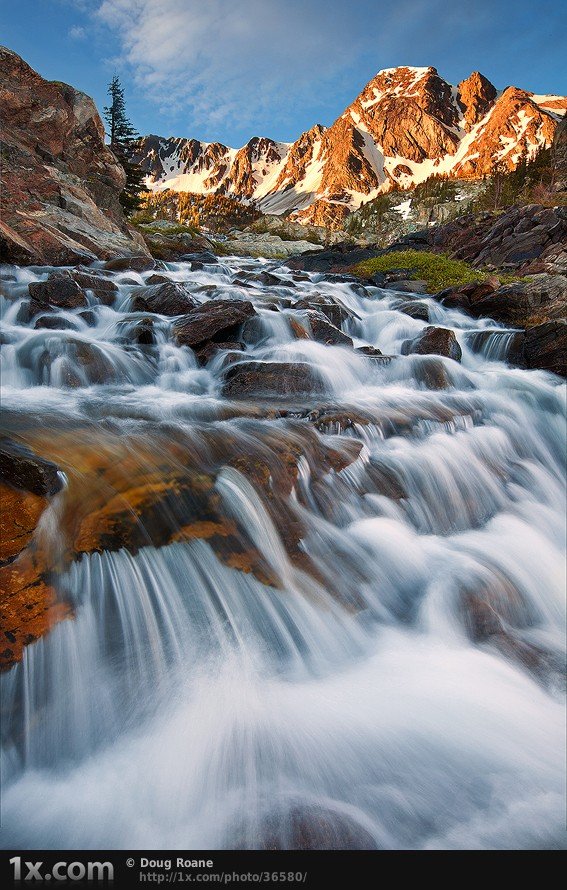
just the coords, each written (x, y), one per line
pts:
(405, 126)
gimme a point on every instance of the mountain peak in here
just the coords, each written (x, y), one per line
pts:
(407, 124)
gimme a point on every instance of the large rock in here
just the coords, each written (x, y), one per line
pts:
(211, 320)
(338, 258)
(434, 341)
(102, 288)
(523, 302)
(56, 293)
(60, 182)
(325, 332)
(543, 347)
(164, 299)
(251, 379)
(529, 238)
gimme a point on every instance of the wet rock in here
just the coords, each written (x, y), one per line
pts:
(410, 287)
(264, 278)
(415, 309)
(251, 379)
(29, 606)
(209, 350)
(542, 347)
(336, 313)
(461, 297)
(103, 288)
(143, 333)
(88, 317)
(298, 331)
(434, 341)
(163, 299)
(541, 298)
(340, 257)
(132, 264)
(216, 319)
(431, 372)
(325, 332)
(56, 293)
(378, 279)
(371, 351)
(97, 367)
(385, 481)
(495, 612)
(202, 259)
(54, 323)
(20, 467)
(158, 279)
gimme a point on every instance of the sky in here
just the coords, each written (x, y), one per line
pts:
(227, 70)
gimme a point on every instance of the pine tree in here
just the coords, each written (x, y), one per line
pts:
(122, 134)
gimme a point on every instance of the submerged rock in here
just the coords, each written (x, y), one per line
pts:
(251, 379)
(313, 827)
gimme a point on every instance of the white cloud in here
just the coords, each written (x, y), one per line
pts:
(242, 63)
(77, 33)
(235, 60)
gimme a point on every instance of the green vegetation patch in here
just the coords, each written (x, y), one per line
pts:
(437, 269)
(173, 229)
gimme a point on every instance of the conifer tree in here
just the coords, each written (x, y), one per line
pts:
(122, 136)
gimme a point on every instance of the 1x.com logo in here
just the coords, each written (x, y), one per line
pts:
(62, 871)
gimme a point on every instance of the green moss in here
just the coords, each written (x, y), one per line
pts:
(178, 229)
(437, 269)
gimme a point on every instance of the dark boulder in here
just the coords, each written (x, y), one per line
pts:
(434, 341)
(266, 279)
(251, 379)
(103, 288)
(377, 280)
(20, 467)
(163, 299)
(324, 332)
(209, 350)
(543, 347)
(371, 351)
(540, 297)
(156, 278)
(413, 286)
(54, 323)
(337, 258)
(215, 319)
(56, 293)
(334, 312)
(415, 309)
(132, 264)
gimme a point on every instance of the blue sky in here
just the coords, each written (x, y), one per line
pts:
(230, 69)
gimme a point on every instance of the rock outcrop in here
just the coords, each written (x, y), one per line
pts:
(529, 239)
(60, 183)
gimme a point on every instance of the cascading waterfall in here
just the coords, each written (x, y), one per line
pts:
(338, 689)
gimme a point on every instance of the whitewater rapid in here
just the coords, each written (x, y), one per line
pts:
(190, 705)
